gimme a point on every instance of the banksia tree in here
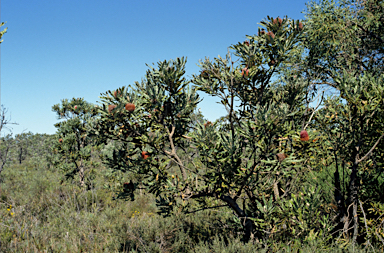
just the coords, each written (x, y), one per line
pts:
(152, 128)
(74, 147)
(343, 44)
(255, 131)
(233, 154)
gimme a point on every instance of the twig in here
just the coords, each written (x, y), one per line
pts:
(206, 208)
(365, 222)
(173, 153)
(381, 239)
(370, 151)
(314, 110)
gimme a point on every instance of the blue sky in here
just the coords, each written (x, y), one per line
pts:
(56, 49)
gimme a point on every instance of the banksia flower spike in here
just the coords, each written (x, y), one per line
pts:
(271, 34)
(204, 74)
(111, 107)
(145, 155)
(300, 26)
(246, 43)
(304, 135)
(262, 32)
(60, 140)
(280, 21)
(130, 107)
(245, 71)
(281, 157)
(208, 123)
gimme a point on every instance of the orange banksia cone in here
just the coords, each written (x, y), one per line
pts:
(245, 71)
(145, 155)
(111, 107)
(304, 136)
(130, 107)
(281, 157)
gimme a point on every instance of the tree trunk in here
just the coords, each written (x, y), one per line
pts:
(340, 201)
(247, 223)
(353, 199)
(81, 173)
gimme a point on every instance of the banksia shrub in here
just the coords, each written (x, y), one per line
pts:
(130, 107)
(145, 155)
(111, 107)
(304, 135)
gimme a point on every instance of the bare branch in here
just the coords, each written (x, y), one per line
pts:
(173, 152)
(314, 110)
(370, 151)
(365, 222)
(206, 208)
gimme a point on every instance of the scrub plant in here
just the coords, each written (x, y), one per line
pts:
(235, 164)
(74, 147)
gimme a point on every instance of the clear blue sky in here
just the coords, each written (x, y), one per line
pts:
(56, 49)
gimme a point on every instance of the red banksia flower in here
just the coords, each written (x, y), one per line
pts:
(281, 157)
(208, 123)
(111, 107)
(300, 26)
(304, 135)
(275, 21)
(271, 34)
(145, 155)
(60, 140)
(75, 107)
(130, 107)
(204, 74)
(246, 43)
(245, 71)
(280, 21)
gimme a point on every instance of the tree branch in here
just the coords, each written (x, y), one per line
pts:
(370, 151)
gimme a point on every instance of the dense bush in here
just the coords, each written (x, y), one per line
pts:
(287, 168)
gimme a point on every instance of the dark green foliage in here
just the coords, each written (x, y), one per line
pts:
(74, 147)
